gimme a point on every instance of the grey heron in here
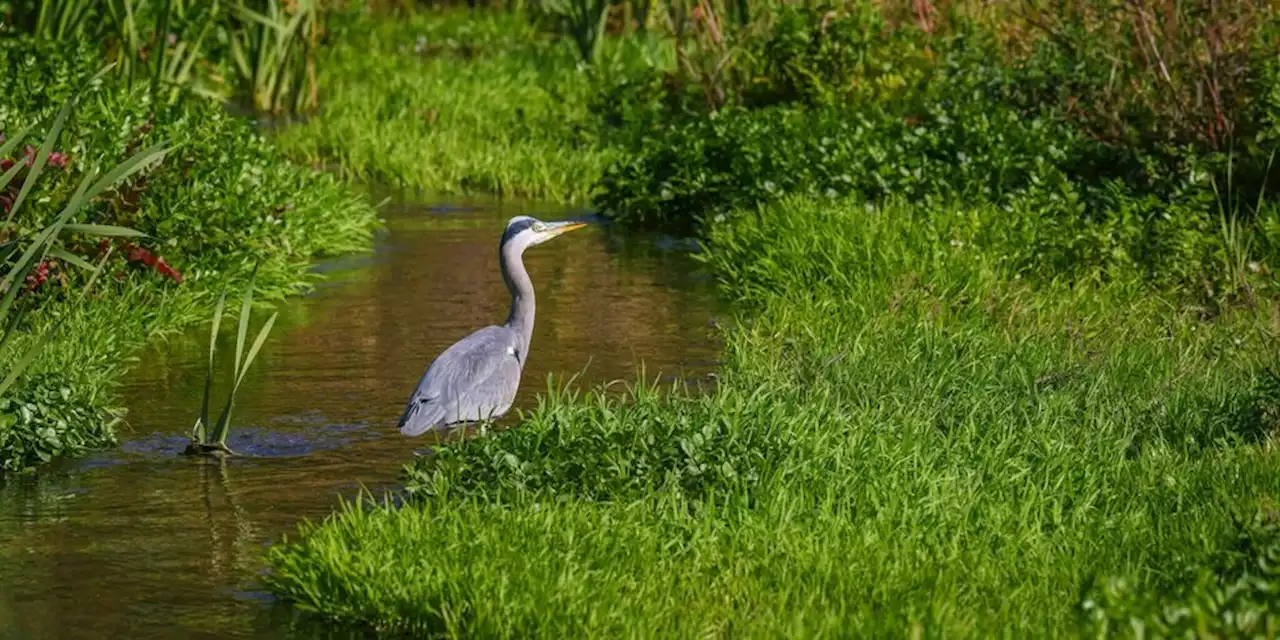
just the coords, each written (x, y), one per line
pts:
(476, 379)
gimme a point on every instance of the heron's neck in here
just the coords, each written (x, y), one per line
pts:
(522, 303)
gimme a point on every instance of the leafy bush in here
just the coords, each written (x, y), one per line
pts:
(1236, 595)
(960, 124)
(224, 196)
(222, 201)
(48, 416)
(612, 449)
(952, 138)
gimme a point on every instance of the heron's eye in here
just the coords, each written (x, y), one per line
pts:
(539, 227)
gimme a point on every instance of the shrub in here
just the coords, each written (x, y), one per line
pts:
(222, 201)
(950, 138)
(223, 196)
(50, 415)
(1233, 594)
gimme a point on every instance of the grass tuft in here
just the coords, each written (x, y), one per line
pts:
(905, 433)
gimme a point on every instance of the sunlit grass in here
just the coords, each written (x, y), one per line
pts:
(223, 201)
(447, 106)
(905, 434)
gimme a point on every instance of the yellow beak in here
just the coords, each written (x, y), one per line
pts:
(565, 227)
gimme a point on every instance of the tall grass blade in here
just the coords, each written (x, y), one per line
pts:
(71, 258)
(11, 283)
(19, 367)
(34, 350)
(106, 230)
(10, 329)
(9, 175)
(135, 163)
(42, 155)
(257, 346)
(12, 143)
(202, 422)
(245, 307)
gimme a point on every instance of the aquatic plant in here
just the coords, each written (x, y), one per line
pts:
(210, 438)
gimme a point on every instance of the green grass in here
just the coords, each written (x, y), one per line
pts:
(907, 434)
(485, 104)
(221, 202)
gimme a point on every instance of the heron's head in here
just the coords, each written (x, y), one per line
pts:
(524, 232)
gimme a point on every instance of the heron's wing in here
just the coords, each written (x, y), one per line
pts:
(475, 379)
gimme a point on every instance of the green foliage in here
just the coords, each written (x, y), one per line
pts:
(583, 20)
(686, 171)
(22, 270)
(900, 129)
(963, 381)
(47, 416)
(960, 124)
(902, 434)
(225, 194)
(264, 46)
(441, 104)
(222, 201)
(611, 449)
(271, 44)
(1234, 597)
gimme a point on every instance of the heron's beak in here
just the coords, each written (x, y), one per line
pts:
(558, 228)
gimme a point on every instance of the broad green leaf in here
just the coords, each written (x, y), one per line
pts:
(41, 156)
(257, 345)
(104, 230)
(71, 258)
(13, 142)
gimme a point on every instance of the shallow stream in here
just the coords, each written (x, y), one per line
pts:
(140, 542)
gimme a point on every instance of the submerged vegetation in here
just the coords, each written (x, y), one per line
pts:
(1005, 357)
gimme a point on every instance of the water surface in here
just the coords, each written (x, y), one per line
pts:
(139, 542)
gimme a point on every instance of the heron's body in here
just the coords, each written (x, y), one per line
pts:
(476, 379)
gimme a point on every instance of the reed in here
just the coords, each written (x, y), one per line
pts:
(583, 21)
(266, 47)
(210, 438)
